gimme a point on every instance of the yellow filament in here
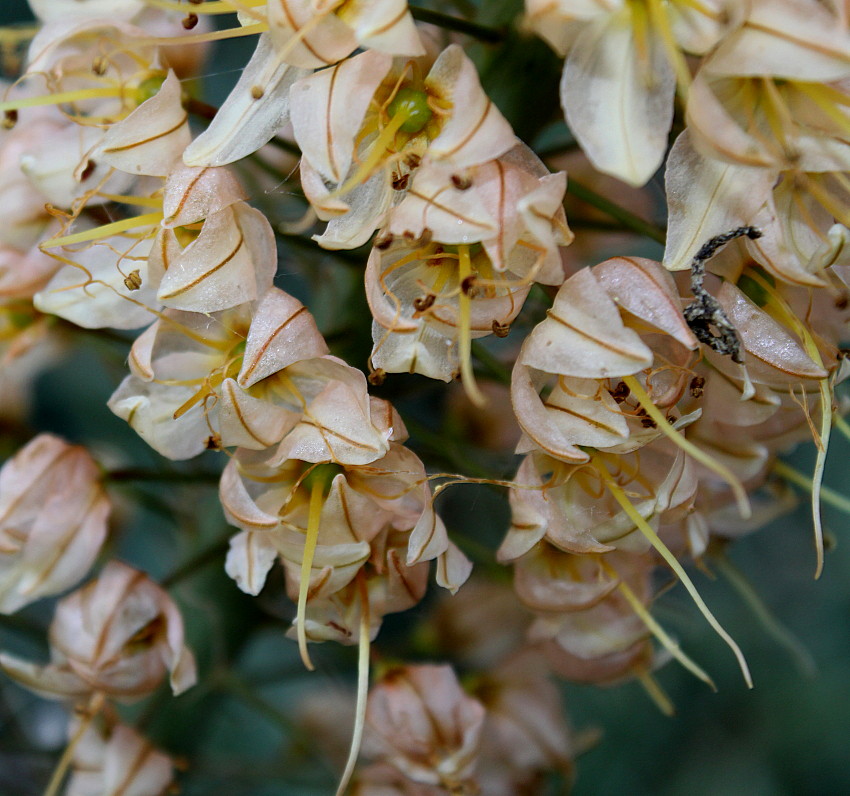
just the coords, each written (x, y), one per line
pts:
(686, 445)
(94, 707)
(315, 512)
(362, 685)
(376, 153)
(104, 231)
(661, 22)
(136, 201)
(67, 96)
(656, 693)
(652, 625)
(212, 7)
(646, 529)
(200, 38)
(828, 103)
(465, 331)
(827, 201)
(780, 308)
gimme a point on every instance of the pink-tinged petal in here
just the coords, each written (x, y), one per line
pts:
(793, 246)
(428, 539)
(282, 332)
(643, 288)
(385, 418)
(67, 10)
(772, 354)
(420, 350)
(328, 109)
(453, 568)
(476, 131)
(254, 111)
(432, 202)
(231, 262)
(619, 103)
(707, 197)
(132, 767)
(549, 579)
(50, 682)
(250, 422)
(301, 42)
(239, 507)
(795, 39)
(141, 352)
(584, 335)
(152, 137)
(724, 401)
(249, 560)
(192, 194)
(543, 214)
(385, 25)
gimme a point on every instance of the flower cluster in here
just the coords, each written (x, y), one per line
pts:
(651, 409)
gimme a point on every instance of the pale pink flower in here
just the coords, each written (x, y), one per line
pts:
(53, 520)
(419, 720)
(119, 635)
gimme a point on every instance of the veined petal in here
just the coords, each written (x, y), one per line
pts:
(707, 197)
(252, 114)
(584, 335)
(251, 422)
(322, 44)
(475, 131)
(249, 560)
(231, 262)
(152, 137)
(328, 108)
(192, 194)
(619, 108)
(384, 25)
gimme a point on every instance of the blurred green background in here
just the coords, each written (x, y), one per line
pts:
(789, 736)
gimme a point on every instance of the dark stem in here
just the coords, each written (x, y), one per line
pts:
(480, 32)
(626, 218)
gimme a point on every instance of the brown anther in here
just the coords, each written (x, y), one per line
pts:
(195, 2)
(408, 235)
(501, 329)
(461, 183)
(400, 182)
(257, 92)
(842, 302)
(88, 170)
(647, 422)
(99, 65)
(376, 377)
(425, 236)
(133, 280)
(189, 21)
(213, 442)
(412, 161)
(384, 242)
(422, 303)
(620, 392)
(10, 119)
(467, 287)
(697, 385)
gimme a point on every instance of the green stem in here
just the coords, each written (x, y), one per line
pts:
(626, 218)
(473, 29)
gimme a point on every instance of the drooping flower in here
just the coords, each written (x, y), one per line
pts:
(119, 635)
(53, 515)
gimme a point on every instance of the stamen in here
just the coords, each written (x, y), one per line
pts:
(136, 201)
(104, 231)
(210, 7)
(317, 492)
(200, 38)
(465, 330)
(92, 710)
(780, 308)
(652, 625)
(661, 21)
(66, 97)
(646, 529)
(362, 685)
(686, 445)
(656, 693)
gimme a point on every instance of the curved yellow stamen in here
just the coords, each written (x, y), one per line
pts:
(362, 685)
(652, 537)
(317, 492)
(686, 445)
(465, 330)
(104, 231)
